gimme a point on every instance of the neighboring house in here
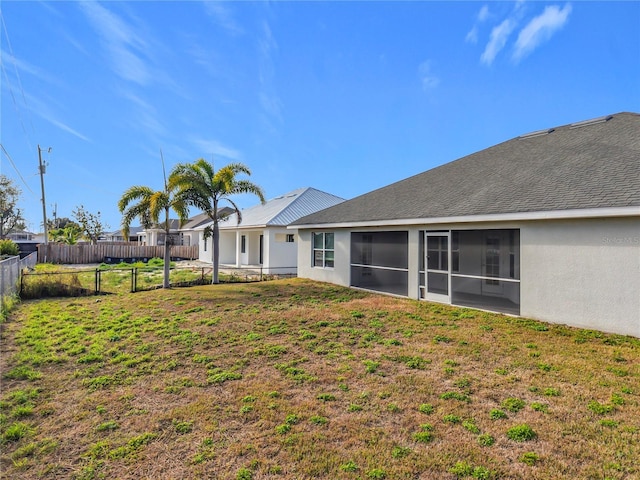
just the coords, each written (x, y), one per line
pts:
(136, 235)
(24, 236)
(186, 235)
(546, 226)
(261, 238)
(192, 228)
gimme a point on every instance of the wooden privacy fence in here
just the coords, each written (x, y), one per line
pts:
(84, 254)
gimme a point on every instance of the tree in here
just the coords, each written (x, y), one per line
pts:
(11, 218)
(148, 205)
(90, 225)
(202, 187)
(68, 235)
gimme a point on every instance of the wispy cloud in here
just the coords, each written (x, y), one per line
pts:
(428, 79)
(215, 148)
(121, 42)
(269, 99)
(39, 107)
(483, 14)
(497, 40)
(540, 29)
(223, 16)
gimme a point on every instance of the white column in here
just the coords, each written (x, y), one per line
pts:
(238, 263)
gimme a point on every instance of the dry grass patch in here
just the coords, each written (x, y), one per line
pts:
(296, 379)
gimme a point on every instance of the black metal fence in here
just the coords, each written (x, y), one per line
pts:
(72, 282)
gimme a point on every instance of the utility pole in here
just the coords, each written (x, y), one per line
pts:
(44, 205)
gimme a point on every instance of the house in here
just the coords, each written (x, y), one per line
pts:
(136, 235)
(546, 226)
(262, 239)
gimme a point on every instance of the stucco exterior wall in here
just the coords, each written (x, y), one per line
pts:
(280, 256)
(340, 273)
(584, 273)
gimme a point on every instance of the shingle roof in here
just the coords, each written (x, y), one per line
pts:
(282, 210)
(591, 164)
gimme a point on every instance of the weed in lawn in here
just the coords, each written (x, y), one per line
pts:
(425, 434)
(400, 452)
(354, 407)
(393, 408)
(600, 408)
(551, 392)
(496, 414)
(512, 404)
(607, 422)
(377, 474)
(540, 407)
(451, 418)
(318, 420)
(455, 396)
(326, 397)
(350, 466)
(529, 458)
(370, 366)
(109, 425)
(426, 408)
(17, 431)
(471, 426)
(486, 440)
(521, 433)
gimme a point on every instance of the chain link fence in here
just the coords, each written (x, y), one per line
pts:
(10, 273)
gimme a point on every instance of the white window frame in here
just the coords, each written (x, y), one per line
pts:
(324, 250)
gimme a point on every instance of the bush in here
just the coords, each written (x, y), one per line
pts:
(8, 247)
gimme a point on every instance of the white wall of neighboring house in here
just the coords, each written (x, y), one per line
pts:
(584, 273)
(282, 254)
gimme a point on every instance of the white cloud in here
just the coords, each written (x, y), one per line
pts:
(540, 29)
(215, 148)
(120, 41)
(223, 16)
(497, 40)
(483, 15)
(427, 78)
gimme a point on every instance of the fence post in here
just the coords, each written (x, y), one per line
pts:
(260, 273)
(134, 273)
(96, 280)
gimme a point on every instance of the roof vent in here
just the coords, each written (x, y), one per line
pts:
(593, 121)
(538, 133)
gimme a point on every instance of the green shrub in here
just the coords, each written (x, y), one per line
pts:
(8, 247)
(600, 408)
(426, 408)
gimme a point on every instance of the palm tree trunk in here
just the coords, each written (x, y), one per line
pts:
(216, 252)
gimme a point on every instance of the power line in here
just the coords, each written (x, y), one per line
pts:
(16, 168)
(4, 71)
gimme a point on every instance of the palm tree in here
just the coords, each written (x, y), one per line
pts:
(147, 205)
(201, 186)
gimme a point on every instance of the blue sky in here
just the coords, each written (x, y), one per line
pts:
(345, 97)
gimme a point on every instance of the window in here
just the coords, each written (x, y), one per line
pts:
(290, 238)
(243, 244)
(323, 250)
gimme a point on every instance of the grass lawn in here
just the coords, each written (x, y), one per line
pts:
(293, 379)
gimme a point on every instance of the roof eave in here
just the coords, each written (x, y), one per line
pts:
(633, 211)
